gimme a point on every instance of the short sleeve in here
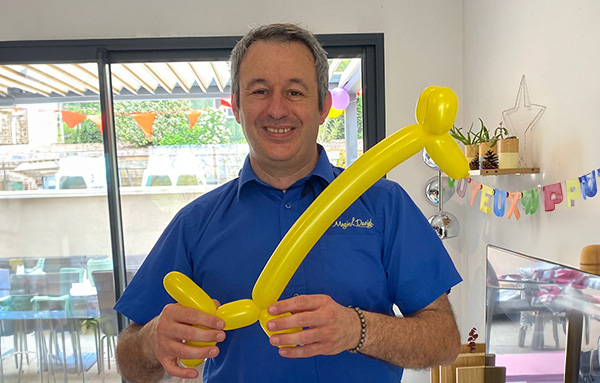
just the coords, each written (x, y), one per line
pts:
(145, 296)
(418, 267)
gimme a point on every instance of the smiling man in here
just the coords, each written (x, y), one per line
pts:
(379, 253)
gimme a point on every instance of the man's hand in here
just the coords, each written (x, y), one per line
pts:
(160, 344)
(329, 328)
(176, 323)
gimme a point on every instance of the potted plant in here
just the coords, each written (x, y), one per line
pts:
(488, 150)
(508, 148)
(471, 142)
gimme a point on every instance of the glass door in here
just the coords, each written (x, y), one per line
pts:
(54, 225)
(177, 138)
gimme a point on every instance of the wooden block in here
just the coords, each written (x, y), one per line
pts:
(589, 259)
(438, 371)
(435, 374)
(448, 373)
(481, 374)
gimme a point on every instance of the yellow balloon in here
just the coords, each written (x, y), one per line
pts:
(435, 113)
(188, 294)
(334, 113)
(265, 317)
(238, 314)
(436, 110)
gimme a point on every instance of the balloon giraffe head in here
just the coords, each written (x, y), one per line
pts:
(436, 112)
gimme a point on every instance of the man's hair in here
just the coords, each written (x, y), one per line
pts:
(281, 33)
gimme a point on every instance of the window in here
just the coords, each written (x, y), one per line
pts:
(83, 194)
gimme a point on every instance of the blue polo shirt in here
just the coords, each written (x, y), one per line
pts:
(381, 251)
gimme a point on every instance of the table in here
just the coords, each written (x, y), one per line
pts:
(39, 317)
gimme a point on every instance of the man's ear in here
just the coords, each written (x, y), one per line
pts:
(235, 109)
(326, 107)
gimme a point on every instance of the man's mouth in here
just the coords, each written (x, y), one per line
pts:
(278, 130)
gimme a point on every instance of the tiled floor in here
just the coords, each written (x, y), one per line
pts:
(30, 371)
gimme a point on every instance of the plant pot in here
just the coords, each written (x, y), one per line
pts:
(472, 154)
(488, 155)
(508, 153)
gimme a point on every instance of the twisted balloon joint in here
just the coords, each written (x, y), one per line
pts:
(435, 114)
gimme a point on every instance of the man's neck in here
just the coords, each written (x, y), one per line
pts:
(282, 177)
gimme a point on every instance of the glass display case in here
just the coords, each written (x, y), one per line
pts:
(543, 319)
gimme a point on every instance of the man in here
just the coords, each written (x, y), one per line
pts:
(224, 238)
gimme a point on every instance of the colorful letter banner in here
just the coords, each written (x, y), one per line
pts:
(506, 203)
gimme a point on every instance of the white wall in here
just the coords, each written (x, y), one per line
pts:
(555, 44)
(422, 45)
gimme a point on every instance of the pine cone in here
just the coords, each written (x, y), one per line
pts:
(474, 164)
(490, 160)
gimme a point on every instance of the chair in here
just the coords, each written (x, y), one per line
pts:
(108, 317)
(97, 263)
(38, 268)
(58, 298)
(18, 329)
(159, 172)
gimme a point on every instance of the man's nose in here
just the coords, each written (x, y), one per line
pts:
(277, 107)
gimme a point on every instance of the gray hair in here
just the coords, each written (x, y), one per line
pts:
(281, 33)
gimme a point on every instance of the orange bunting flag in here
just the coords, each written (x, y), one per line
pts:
(72, 119)
(96, 119)
(145, 121)
(192, 116)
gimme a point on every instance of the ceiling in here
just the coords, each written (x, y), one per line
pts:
(41, 83)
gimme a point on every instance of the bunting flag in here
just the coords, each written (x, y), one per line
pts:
(72, 119)
(145, 121)
(96, 119)
(506, 203)
(192, 116)
(226, 102)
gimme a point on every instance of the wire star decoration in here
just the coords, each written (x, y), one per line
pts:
(521, 121)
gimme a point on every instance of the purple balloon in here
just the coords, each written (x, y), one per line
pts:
(339, 98)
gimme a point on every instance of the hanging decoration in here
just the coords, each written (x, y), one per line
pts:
(72, 119)
(145, 121)
(340, 99)
(96, 119)
(225, 102)
(193, 116)
(510, 203)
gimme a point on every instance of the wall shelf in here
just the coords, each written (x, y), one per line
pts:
(497, 172)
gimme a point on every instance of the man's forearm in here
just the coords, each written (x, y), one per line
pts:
(429, 338)
(135, 359)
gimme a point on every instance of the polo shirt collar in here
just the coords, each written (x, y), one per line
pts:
(323, 169)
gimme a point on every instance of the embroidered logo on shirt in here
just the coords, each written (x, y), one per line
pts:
(355, 222)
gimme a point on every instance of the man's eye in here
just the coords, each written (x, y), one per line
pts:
(295, 93)
(259, 91)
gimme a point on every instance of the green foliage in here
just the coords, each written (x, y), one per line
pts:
(469, 139)
(237, 133)
(334, 128)
(210, 129)
(501, 132)
(483, 135)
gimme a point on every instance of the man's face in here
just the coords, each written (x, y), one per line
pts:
(278, 106)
